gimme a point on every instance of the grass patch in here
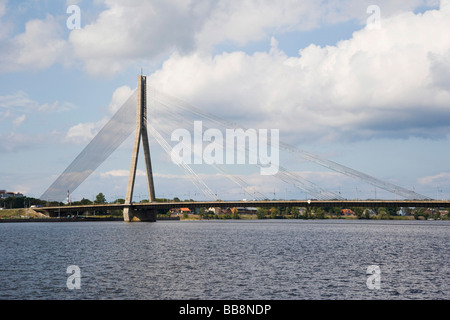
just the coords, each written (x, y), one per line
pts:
(19, 214)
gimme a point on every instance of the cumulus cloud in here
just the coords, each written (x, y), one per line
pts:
(246, 21)
(379, 82)
(127, 32)
(119, 97)
(38, 47)
(85, 132)
(135, 30)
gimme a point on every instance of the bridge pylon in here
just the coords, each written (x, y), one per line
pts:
(130, 213)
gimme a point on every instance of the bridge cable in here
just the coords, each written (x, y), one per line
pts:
(283, 174)
(190, 173)
(408, 194)
(237, 180)
(107, 140)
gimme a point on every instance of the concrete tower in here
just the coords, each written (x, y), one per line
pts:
(129, 213)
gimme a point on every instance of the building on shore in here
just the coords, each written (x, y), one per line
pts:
(8, 194)
(180, 211)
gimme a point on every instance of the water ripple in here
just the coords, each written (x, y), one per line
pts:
(289, 260)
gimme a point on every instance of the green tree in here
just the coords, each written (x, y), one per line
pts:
(234, 213)
(16, 202)
(274, 213)
(358, 212)
(392, 211)
(308, 214)
(295, 213)
(83, 202)
(383, 214)
(436, 214)
(210, 214)
(335, 211)
(100, 199)
(261, 213)
(367, 213)
(319, 213)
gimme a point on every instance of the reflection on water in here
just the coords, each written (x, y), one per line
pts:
(271, 260)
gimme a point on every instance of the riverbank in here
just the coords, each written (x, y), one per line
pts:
(254, 217)
(80, 219)
(29, 215)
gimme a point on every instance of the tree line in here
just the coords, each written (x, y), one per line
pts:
(261, 213)
(382, 213)
(25, 202)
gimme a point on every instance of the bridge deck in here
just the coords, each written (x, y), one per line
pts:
(230, 204)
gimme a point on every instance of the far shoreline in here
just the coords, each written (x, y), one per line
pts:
(195, 218)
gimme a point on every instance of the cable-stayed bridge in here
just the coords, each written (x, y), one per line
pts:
(165, 114)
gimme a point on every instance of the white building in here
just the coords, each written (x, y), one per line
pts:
(8, 194)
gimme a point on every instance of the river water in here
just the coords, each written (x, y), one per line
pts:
(226, 260)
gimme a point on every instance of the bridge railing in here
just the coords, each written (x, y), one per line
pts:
(269, 203)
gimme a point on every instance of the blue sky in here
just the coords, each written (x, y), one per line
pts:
(374, 99)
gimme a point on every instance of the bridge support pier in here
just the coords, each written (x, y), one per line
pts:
(132, 215)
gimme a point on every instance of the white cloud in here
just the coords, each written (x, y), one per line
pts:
(85, 132)
(5, 27)
(121, 173)
(12, 142)
(72, 2)
(39, 47)
(21, 102)
(379, 82)
(132, 31)
(126, 32)
(18, 121)
(18, 99)
(441, 179)
(56, 107)
(119, 97)
(18, 107)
